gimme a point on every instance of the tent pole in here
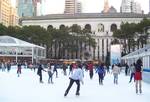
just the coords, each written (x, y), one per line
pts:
(16, 54)
(32, 55)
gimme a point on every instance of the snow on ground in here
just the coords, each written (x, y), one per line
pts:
(27, 88)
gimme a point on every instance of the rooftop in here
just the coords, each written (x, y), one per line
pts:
(87, 15)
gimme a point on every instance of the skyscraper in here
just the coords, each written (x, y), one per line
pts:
(29, 8)
(125, 6)
(149, 6)
(79, 7)
(8, 15)
(72, 7)
(130, 6)
(106, 6)
(25, 8)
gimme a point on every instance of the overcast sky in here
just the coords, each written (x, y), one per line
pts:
(89, 6)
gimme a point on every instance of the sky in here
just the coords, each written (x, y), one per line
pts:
(89, 6)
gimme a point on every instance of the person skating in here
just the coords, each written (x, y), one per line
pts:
(54, 65)
(19, 69)
(39, 72)
(50, 74)
(138, 76)
(116, 71)
(76, 76)
(90, 68)
(126, 69)
(101, 73)
(132, 69)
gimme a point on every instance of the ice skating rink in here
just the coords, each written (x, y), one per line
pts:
(27, 88)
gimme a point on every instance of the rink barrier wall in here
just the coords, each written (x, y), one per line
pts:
(146, 69)
(146, 75)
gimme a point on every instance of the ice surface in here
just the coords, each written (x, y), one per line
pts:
(27, 88)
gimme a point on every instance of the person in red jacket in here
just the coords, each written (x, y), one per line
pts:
(90, 68)
(138, 76)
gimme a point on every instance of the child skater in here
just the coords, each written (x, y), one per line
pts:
(50, 74)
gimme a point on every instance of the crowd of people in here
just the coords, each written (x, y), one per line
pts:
(76, 72)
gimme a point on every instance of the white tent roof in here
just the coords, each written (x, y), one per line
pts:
(11, 41)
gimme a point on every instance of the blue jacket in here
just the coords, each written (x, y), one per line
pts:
(100, 70)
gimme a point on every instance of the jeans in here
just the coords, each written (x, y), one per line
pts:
(115, 78)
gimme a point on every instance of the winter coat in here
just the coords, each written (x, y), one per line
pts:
(77, 74)
(100, 70)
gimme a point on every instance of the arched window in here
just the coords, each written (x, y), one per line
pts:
(62, 26)
(100, 28)
(87, 28)
(50, 27)
(113, 27)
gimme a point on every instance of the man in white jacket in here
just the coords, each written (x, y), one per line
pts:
(76, 76)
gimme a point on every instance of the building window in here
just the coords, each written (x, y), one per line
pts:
(87, 28)
(100, 28)
(113, 27)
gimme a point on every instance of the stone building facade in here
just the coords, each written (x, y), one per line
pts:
(102, 26)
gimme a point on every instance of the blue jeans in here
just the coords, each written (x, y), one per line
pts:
(115, 78)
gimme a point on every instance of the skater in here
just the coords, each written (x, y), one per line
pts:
(64, 69)
(126, 69)
(132, 69)
(50, 74)
(39, 72)
(8, 66)
(138, 76)
(107, 68)
(101, 73)
(54, 65)
(70, 68)
(76, 76)
(90, 68)
(116, 71)
(19, 69)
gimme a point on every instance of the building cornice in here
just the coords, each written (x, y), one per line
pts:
(86, 16)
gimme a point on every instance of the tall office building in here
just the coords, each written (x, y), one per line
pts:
(149, 6)
(37, 7)
(8, 15)
(29, 8)
(138, 8)
(130, 6)
(106, 6)
(79, 7)
(72, 7)
(25, 8)
(125, 6)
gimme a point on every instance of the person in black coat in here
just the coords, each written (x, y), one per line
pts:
(39, 72)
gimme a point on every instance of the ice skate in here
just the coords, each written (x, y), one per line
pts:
(65, 94)
(77, 94)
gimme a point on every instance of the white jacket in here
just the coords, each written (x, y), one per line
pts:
(77, 74)
(116, 70)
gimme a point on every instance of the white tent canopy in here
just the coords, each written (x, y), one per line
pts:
(13, 47)
(11, 41)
